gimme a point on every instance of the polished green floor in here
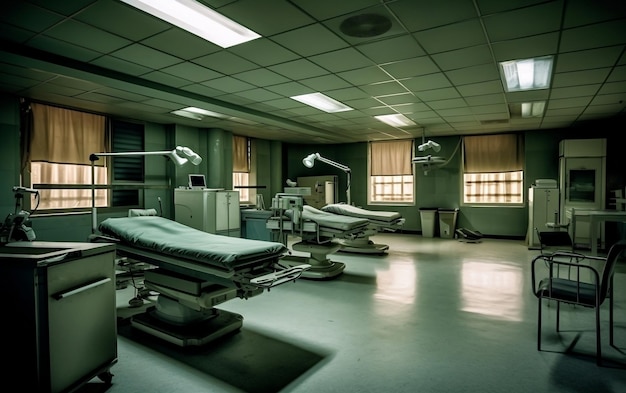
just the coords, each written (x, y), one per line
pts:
(432, 315)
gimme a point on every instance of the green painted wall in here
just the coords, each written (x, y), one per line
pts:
(277, 161)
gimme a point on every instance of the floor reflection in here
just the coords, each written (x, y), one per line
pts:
(492, 289)
(397, 284)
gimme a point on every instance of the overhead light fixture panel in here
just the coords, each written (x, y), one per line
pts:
(396, 120)
(197, 19)
(527, 74)
(322, 102)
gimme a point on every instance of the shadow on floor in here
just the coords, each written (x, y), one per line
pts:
(248, 360)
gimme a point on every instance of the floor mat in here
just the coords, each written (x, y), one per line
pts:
(245, 359)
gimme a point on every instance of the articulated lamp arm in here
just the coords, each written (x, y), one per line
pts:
(309, 161)
(180, 156)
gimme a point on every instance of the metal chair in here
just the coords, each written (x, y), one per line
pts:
(591, 292)
(554, 241)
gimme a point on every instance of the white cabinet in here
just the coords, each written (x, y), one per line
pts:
(543, 207)
(59, 308)
(209, 210)
(582, 182)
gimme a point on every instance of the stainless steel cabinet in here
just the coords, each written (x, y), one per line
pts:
(59, 314)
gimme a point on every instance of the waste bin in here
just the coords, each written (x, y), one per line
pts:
(447, 222)
(428, 216)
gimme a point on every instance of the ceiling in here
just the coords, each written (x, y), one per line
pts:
(437, 64)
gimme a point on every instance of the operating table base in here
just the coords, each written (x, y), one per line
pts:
(318, 270)
(362, 246)
(195, 334)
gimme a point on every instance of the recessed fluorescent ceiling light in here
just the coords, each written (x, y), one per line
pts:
(322, 102)
(197, 113)
(528, 74)
(396, 120)
(533, 109)
(197, 19)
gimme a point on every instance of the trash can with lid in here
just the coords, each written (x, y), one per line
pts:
(428, 217)
(447, 222)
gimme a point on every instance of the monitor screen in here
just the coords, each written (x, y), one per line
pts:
(197, 181)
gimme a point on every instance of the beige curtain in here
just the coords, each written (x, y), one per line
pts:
(240, 154)
(493, 153)
(65, 136)
(391, 158)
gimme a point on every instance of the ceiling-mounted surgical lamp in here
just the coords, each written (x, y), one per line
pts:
(309, 161)
(429, 145)
(180, 156)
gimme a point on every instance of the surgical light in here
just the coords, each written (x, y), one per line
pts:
(309, 161)
(429, 145)
(179, 156)
(197, 19)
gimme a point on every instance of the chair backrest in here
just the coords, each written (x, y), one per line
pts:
(609, 267)
(554, 239)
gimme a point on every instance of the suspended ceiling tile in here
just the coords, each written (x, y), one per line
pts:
(419, 15)
(225, 62)
(181, 44)
(459, 35)
(299, 69)
(264, 52)
(341, 60)
(310, 40)
(512, 24)
(141, 54)
(413, 67)
(475, 55)
(391, 49)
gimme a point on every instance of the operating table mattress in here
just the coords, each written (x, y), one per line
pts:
(353, 211)
(332, 221)
(161, 235)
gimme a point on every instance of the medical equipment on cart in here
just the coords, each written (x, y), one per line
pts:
(16, 226)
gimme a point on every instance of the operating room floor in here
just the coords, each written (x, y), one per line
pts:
(432, 315)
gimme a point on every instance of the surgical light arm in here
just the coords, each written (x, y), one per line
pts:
(309, 161)
(180, 156)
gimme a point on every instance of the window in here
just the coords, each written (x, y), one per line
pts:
(126, 137)
(493, 169)
(391, 172)
(241, 167)
(58, 143)
(57, 146)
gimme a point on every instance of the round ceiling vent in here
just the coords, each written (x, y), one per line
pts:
(365, 25)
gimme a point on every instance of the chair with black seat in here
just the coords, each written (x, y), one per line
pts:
(552, 241)
(557, 242)
(590, 291)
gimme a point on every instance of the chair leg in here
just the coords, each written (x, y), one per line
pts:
(598, 343)
(611, 318)
(539, 325)
(558, 316)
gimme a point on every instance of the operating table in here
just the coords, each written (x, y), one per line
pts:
(194, 272)
(378, 221)
(319, 232)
